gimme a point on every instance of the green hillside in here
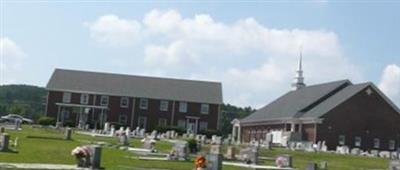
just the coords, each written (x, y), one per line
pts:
(25, 100)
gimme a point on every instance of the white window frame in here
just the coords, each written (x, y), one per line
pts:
(164, 105)
(124, 102)
(204, 109)
(377, 143)
(162, 122)
(392, 144)
(203, 125)
(84, 98)
(125, 116)
(102, 99)
(143, 103)
(66, 97)
(183, 107)
(342, 140)
(181, 123)
(357, 141)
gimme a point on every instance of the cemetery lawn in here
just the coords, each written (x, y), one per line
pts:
(44, 145)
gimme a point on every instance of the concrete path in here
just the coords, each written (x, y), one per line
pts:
(39, 166)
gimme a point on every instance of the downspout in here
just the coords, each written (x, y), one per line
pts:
(173, 113)
(133, 112)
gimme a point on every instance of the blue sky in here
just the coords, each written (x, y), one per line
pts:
(251, 47)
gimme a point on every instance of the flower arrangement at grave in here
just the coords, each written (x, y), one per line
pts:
(280, 161)
(82, 156)
(200, 163)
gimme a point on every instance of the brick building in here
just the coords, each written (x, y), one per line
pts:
(339, 113)
(82, 97)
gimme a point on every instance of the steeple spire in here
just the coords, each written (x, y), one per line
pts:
(299, 79)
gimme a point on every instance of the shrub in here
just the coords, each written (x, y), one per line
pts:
(192, 144)
(46, 121)
(210, 132)
(69, 124)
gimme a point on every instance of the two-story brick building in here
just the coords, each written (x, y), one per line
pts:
(82, 97)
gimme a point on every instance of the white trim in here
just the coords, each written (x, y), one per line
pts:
(120, 95)
(81, 105)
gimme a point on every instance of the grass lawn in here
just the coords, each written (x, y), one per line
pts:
(41, 145)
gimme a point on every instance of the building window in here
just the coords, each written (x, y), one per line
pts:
(84, 98)
(144, 103)
(124, 102)
(203, 125)
(162, 122)
(181, 123)
(142, 122)
(392, 144)
(123, 119)
(104, 100)
(182, 107)
(204, 108)
(376, 143)
(163, 105)
(66, 97)
(357, 141)
(342, 140)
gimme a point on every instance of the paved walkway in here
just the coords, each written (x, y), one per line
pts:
(39, 166)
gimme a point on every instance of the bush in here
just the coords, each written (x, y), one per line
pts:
(210, 132)
(192, 144)
(69, 124)
(46, 121)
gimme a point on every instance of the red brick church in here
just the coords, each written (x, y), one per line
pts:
(339, 113)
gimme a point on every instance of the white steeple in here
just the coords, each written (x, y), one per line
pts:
(298, 82)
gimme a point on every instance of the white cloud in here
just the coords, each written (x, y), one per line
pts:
(114, 31)
(254, 62)
(11, 56)
(390, 82)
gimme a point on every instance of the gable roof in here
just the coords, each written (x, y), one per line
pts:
(312, 102)
(136, 86)
(292, 103)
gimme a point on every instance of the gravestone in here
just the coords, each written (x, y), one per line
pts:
(249, 155)
(394, 155)
(128, 132)
(311, 166)
(154, 134)
(216, 140)
(148, 143)
(384, 154)
(68, 133)
(324, 148)
(214, 158)
(203, 139)
(141, 132)
(342, 150)
(106, 127)
(96, 157)
(268, 141)
(4, 139)
(112, 131)
(355, 151)
(123, 140)
(230, 152)
(284, 161)
(323, 165)
(394, 165)
(179, 151)
(17, 124)
(375, 153)
(59, 125)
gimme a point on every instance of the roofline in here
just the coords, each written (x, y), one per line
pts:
(385, 97)
(139, 76)
(281, 120)
(109, 94)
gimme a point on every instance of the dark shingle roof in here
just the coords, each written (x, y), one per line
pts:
(137, 86)
(296, 103)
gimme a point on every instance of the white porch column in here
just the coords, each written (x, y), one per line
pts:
(234, 133)
(292, 127)
(197, 125)
(239, 135)
(300, 127)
